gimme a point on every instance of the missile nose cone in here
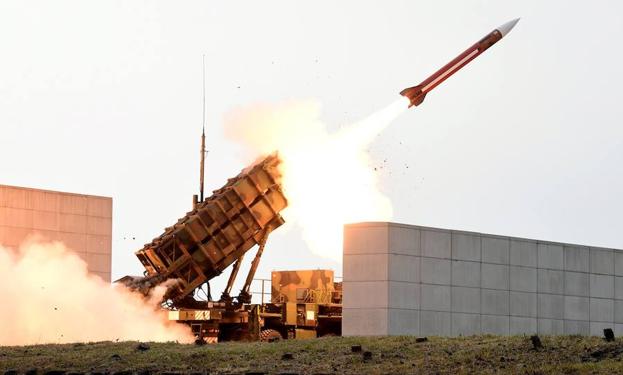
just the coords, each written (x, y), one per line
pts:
(507, 27)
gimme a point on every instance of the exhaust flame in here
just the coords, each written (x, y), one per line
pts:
(326, 176)
(48, 297)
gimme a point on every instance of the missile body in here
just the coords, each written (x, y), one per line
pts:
(417, 93)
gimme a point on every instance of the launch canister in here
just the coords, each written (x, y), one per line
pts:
(417, 93)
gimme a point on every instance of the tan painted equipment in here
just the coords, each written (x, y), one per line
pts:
(310, 301)
(217, 233)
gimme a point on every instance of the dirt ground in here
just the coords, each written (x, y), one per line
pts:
(331, 355)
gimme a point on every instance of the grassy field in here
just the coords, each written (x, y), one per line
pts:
(332, 355)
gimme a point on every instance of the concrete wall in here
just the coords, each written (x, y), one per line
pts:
(82, 222)
(403, 279)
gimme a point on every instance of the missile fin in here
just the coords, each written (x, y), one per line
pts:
(414, 94)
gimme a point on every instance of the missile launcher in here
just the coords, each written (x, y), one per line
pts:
(216, 233)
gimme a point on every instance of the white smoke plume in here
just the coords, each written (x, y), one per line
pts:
(49, 297)
(325, 176)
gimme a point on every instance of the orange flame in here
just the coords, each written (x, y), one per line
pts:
(49, 297)
(326, 177)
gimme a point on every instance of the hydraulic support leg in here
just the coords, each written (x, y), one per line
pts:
(226, 297)
(245, 294)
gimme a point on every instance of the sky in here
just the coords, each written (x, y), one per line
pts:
(105, 98)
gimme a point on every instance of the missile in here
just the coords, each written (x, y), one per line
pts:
(417, 93)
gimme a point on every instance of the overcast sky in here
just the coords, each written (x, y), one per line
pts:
(104, 97)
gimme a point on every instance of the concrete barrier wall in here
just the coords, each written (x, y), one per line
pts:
(409, 280)
(82, 222)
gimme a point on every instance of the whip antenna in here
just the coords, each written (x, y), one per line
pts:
(203, 131)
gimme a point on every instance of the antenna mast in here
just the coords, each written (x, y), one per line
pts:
(203, 132)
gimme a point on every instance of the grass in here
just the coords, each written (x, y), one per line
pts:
(331, 355)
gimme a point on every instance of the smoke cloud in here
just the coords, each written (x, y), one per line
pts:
(325, 176)
(49, 297)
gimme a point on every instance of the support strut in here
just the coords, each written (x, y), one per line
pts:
(245, 294)
(226, 297)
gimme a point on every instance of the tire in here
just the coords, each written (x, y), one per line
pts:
(270, 335)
